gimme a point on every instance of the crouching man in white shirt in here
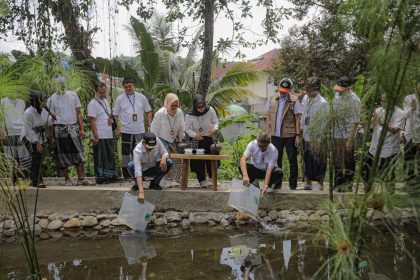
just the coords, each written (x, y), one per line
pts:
(264, 164)
(150, 158)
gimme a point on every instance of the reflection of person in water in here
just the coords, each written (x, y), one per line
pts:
(143, 263)
(242, 259)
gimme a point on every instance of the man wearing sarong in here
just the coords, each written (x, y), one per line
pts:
(102, 137)
(67, 132)
(130, 107)
(346, 114)
(314, 120)
(15, 151)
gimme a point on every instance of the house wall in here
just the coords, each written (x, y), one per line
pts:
(262, 89)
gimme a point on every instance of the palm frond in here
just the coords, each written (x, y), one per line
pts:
(4, 9)
(13, 87)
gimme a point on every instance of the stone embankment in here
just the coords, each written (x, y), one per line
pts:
(106, 222)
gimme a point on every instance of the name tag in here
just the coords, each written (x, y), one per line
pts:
(134, 117)
(110, 121)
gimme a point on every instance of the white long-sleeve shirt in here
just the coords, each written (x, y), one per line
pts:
(206, 122)
(313, 110)
(144, 159)
(163, 124)
(32, 119)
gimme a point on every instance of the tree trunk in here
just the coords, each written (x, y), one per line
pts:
(206, 64)
(76, 38)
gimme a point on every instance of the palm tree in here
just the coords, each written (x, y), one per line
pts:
(4, 9)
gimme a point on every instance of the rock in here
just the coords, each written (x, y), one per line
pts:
(31, 219)
(217, 217)
(302, 216)
(283, 214)
(105, 231)
(43, 223)
(9, 224)
(280, 221)
(97, 227)
(273, 214)
(369, 213)
(199, 217)
(378, 215)
(55, 225)
(105, 223)
(291, 218)
(212, 223)
(262, 213)
(9, 232)
(158, 214)
(53, 217)
(267, 219)
(322, 212)
(117, 222)
(314, 217)
(405, 215)
(42, 216)
(325, 218)
(56, 234)
(229, 217)
(89, 221)
(37, 229)
(161, 221)
(172, 225)
(44, 235)
(71, 233)
(224, 222)
(185, 223)
(241, 216)
(101, 217)
(73, 223)
(112, 216)
(184, 214)
(241, 223)
(172, 216)
(1, 227)
(90, 233)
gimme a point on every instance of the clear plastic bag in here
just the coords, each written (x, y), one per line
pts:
(245, 199)
(134, 214)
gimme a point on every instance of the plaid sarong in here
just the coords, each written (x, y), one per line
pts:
(17, 153)
(128, 143)
(69, 145)
(104, 159)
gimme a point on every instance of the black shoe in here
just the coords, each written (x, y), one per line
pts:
(155, 187)
(134, 188)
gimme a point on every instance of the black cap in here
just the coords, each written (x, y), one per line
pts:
(285, 85)
(149, 139)
(344, 83)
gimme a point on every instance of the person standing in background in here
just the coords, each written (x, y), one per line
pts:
(130, 107)
(100, 119)
(283, 124)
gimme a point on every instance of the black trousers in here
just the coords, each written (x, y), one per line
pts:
(411, 163)
(200, 166)
(289, 143)
(344, 167)
(36, 166)
(255, 173)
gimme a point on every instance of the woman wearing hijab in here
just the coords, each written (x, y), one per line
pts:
(168, 123)
(201, 125)
(34, 120)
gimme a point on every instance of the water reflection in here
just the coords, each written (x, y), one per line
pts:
(137, 251)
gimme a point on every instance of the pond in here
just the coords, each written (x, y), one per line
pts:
(205, 253)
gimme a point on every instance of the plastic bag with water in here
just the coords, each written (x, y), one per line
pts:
(135, 247)
(134, 214)
(245, 199)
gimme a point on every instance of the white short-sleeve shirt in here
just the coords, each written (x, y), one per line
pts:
(262, 160)
(347, 108)
(127, 105)
(13, 110)
(96, 109)
(391, 144)
(64, 106)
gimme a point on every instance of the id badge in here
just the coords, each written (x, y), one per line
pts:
(134, 117)
(109, 121)
(307, 120)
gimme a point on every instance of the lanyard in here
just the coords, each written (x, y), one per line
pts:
(134, 101)
(103, 107)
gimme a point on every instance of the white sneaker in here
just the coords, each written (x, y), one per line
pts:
(307, 187)
(203, 184)
(165, 183)
(317, 187)
(209, 183)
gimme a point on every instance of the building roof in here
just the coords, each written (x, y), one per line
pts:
(263, 62)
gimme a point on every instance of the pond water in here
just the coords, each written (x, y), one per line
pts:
(208, 254)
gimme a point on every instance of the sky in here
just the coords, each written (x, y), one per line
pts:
(122, 44)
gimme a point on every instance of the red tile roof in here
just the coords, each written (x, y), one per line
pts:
(263, 63)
